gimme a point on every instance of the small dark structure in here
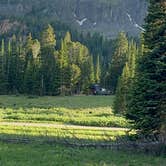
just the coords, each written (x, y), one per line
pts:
(96, 89)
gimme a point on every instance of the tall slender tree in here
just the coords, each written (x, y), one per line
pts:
(48, 43)
(3, 80)
(118, 60)
(126, 79)
(98, 70)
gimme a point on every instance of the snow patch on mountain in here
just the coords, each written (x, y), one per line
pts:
(81, 22)
(138, 26)
(134, 23)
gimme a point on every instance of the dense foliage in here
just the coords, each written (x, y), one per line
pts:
(53, 65)
(118, 60)
(34, 66)
(126, 78)
(146, 103)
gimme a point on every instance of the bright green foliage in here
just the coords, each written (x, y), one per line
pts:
(48, 37)
(31, 82)
(2, 68)
(48, 72)
(120, 104)
(14, 66)
(69, 133)
(36, 67)
(125, 80)
(131, 59)
(98, 70)
(75, 75)
(147, 105)
(76, 67)
(141, 46)
(80, 110)
(92, 74)
(118, 60)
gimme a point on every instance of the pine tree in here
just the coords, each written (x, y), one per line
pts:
(132, 55)
(64, 68)
(98, 70)
(28, 71)
(75, 77)
(48, 43)
(8, 63)
(3, 81)
(91, 73)
(125, 80)
(120, 104)
(13, 77)
(146, 104)
(118, 60)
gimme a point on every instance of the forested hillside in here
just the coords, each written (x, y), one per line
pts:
(108, 17)
(97, 25)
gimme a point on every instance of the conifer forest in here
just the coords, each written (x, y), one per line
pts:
(82, 82)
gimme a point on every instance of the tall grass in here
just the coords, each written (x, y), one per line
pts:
(77, 110)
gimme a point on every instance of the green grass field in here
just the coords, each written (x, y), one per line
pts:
(45, 155)
(60, 134)
(78, 110)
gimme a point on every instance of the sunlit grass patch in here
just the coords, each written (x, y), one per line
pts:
(77, 110)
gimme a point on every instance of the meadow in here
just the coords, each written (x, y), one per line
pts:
(49, 145)
(77, 110)
(55, 155)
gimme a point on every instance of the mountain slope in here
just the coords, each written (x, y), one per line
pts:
(104, 16)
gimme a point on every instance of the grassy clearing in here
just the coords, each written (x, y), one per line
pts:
(77, 110)
(74, 102)
(70, 134)
(45, 155)
(80, 110)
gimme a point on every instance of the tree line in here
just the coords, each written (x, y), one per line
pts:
(32, 66)
(40, 67)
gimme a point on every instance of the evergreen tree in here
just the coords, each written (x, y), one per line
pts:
(132, 55)
(118, 60)
(13, 77)
(125, 80)
(91, 73)
(120, 104)
(141, 45)
(35, 67)
(48, 43)
(3, 81)
(146, 104)
(75, 77)
(32, 66)
(64, 68)
(98, 70)
(8, 63)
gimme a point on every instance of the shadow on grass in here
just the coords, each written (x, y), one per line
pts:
(122, 143)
